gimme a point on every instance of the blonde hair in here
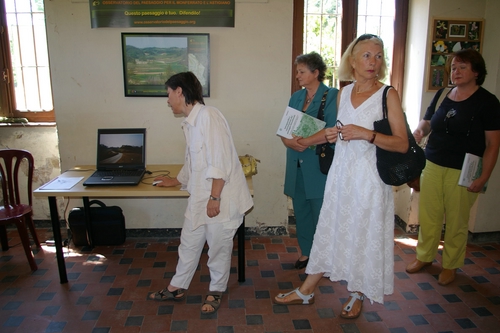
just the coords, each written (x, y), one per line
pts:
(346, 72)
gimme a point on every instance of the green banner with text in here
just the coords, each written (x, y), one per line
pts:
(161, 13)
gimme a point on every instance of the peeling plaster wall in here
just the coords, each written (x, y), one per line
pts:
(42, 143)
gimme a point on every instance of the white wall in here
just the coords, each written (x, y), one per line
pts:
(416, 53)
(407, 202)
(250, 83)
(487, 212)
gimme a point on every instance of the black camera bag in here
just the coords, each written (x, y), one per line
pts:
(107, 222)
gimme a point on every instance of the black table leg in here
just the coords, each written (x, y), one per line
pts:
(241, 252)
(56, 230)
(88, 223)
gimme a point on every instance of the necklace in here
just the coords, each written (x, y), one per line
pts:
(362, 91)
(310, 98)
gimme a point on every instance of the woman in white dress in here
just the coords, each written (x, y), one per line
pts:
(354, 240)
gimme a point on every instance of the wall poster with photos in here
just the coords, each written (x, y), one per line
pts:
(448, 36)
(149, 59)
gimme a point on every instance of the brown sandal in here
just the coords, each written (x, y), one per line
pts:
(214, 304)
(166, 295)
(348, 306)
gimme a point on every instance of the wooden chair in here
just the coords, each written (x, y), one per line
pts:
(13, 210)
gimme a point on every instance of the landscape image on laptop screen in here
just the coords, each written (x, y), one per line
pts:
(123, 148)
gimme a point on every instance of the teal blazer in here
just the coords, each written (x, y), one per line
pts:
(314, 180)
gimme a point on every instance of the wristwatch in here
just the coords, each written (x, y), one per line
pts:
(214, 198)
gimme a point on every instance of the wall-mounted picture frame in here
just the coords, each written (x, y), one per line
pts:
(149, 59)
(457, 30)
(448, 36)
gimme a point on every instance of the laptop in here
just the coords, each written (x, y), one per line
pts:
(121, 157)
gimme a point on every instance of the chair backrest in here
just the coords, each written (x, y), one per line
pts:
(10, 169)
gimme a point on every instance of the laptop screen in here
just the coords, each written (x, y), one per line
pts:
(121, 148)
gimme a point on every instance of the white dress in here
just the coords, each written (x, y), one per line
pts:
(354, 239)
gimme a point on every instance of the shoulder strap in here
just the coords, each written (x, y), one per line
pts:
(321, 115)
(97, 202)
(444, 92)
(384, 101)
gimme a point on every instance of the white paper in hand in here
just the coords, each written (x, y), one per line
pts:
(471, 170)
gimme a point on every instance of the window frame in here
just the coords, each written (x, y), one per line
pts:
(7, 92)
(349, 32)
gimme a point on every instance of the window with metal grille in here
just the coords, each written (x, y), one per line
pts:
(330, 25)
(26, 87)
(323, 32)
(377, 17)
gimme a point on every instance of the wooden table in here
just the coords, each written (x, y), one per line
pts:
(139, 191)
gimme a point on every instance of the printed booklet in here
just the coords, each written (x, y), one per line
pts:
(471, 170)
(299, 124)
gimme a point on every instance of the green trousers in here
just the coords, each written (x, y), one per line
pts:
(306, 215)
(441, 198)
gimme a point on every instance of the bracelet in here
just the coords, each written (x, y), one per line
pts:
(214, 198)
(373, 137)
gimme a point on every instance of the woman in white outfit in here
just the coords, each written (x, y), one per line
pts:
(219, 195)
(354, 240)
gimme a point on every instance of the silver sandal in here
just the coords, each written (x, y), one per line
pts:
(354, 297)
(305, 299)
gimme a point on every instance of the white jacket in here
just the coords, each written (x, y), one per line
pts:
(210, 153)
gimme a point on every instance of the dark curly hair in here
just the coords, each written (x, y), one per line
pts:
(313, 61)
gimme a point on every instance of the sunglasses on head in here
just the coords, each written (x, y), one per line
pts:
(365, 37)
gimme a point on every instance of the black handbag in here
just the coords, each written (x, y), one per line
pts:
(107, 222)
(397, 168)
(324, 151)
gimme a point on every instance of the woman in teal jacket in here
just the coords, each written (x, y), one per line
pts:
(304, 182)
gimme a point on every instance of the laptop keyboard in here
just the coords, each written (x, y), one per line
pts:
(118, 173)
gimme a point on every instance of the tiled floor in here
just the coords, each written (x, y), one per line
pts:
(108, 286)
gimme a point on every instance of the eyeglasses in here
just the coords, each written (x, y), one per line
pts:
(339, 127)
(449, 114)
(365, 37)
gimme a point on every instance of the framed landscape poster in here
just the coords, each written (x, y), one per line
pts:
(149, 59)
(448, 36)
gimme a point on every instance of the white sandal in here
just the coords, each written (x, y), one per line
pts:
(305, 299)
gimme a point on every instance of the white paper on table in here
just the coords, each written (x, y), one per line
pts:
(61, 183)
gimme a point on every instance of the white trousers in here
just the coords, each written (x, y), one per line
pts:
(219, 238)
